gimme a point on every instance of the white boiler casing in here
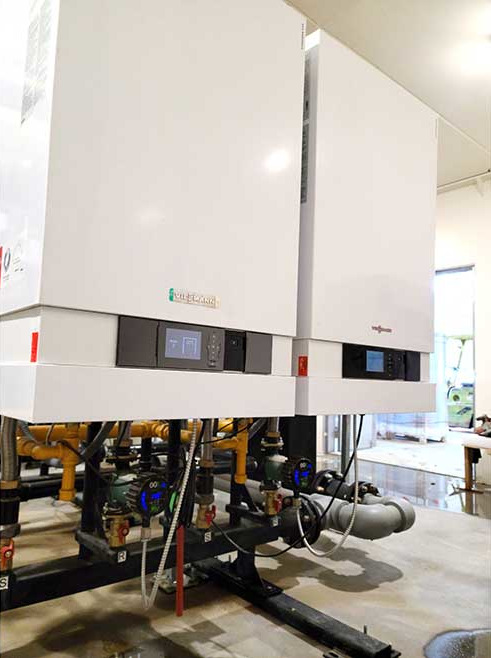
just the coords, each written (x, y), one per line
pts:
(150, 169)
(366, 239)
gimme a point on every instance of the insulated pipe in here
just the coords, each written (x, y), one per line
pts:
(376, 517)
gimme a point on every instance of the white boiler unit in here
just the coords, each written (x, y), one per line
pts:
(365, 311)
(149, 209)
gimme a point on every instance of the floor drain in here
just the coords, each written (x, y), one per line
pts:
(460, 644)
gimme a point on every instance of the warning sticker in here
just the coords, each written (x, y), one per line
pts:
(38, 41)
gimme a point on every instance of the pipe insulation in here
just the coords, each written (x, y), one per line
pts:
(376, 517)
(8, 449)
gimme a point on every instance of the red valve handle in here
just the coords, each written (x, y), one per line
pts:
(124, 530)
(6, 554)
(210, 515)
(278, 503)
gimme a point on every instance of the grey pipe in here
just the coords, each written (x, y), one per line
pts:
(376, 517)
(8, 448)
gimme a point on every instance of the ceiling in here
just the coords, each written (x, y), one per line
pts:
(439, 50)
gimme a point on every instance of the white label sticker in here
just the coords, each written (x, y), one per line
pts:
(4, 582)
(122, 556)
(36, 72)
(208, 536)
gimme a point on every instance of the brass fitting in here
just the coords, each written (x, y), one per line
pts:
(119, 528)
(205, 516)
(272, 502)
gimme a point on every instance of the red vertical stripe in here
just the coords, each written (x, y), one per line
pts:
(303, 366)
(34, 346)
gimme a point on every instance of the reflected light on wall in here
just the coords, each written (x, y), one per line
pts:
(277, 161)
(474, 58)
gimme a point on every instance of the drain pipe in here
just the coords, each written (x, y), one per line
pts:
(9, 492)
(376, 517)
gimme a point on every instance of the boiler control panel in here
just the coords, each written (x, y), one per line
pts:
(366, 362)
(146, 343)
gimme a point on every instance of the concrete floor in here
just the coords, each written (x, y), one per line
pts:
(407, 588)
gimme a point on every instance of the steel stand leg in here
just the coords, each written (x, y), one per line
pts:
(89, 520)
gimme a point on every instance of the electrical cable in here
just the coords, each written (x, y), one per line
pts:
(228, 435)
(96, 444)
(315, 525)
(148, 601)
(82, 459)
(330, 552)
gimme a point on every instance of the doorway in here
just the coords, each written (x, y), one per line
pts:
(454, 323)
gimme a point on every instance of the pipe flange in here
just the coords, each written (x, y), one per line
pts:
(310, 517)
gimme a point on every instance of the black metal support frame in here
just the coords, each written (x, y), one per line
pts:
(50, 580)
(97, 565)
(242, 578)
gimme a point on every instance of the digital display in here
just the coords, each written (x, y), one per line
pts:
(375, 361)
(183, 344)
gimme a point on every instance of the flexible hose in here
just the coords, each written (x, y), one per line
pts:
(148, 601)
(347, 532)
(8, 448)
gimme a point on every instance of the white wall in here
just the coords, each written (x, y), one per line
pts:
(463, 237)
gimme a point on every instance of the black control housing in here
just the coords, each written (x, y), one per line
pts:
(147, 343)
(369, 362)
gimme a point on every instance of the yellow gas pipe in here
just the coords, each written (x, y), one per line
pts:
(63, 441)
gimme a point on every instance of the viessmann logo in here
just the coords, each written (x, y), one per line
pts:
(381, 330)
(187, 297)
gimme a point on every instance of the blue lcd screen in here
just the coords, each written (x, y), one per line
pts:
(183, 344)
(375, 361)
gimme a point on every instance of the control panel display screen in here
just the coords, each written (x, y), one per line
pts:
(183, 344)
(375, 361)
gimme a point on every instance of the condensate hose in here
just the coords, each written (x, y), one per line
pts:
(148, 601)
(347, 532)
